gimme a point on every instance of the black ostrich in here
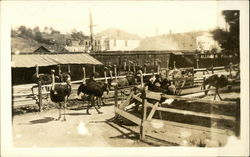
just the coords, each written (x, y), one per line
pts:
(217, 82)
(59, 93)
(93, 89)
(64, 76)
(45, 79)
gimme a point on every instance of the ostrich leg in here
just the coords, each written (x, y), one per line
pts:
(98, 102)
(88, 106)
(217, 91)
(207, 89)
(59, 117)
(64, 108)
(93, 103)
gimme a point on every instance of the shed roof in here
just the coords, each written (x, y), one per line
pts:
(29, 60)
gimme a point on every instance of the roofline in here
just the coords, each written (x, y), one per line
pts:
(112, 52)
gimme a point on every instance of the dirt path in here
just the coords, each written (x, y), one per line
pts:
(41, 130)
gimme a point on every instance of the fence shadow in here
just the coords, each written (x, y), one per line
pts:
(75, 114)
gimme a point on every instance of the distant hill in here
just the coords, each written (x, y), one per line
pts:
(178, 41)
(114, 33)
(23, 45)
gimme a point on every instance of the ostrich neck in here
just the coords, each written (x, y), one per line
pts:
(111, 74)
(53, 82)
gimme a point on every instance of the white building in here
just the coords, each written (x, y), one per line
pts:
(206, 42)
(114, 39)
(120, 44)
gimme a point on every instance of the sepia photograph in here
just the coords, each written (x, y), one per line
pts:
(116, 78)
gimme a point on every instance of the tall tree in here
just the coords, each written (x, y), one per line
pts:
(229, 38)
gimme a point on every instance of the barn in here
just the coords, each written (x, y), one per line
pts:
(23, 65)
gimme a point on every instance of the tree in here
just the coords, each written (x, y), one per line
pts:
(77, 35)
(229, 38)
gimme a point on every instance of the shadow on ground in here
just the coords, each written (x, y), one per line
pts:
(43, 120)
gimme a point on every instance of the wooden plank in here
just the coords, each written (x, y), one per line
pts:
(153, 95)
(205, 69)
(116, 97)
(21, 95)
(188, 126)
(25, 99)
(137, 98)
(152, 112)
(214, 102)
(192, 113)
(126, 103)
(191, 93)
(128, 116)
(40, 95)
(144, 115)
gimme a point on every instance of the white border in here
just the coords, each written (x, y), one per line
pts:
(240, 148)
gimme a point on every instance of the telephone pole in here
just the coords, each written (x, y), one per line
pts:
(91, 31)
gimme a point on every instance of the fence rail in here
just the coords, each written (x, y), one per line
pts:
(145, 121)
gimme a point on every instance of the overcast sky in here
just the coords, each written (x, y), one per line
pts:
(143, 18)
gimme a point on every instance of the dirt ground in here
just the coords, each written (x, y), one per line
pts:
(81, 130)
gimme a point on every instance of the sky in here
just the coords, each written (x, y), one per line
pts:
(145, 18)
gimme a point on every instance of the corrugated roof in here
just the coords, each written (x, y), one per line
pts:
(29, 60)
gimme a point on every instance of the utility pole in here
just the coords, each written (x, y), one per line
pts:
(91, 31)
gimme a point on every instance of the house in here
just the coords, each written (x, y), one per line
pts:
(205, 43)
(74, 49)
(43, 49)
(73, 45)
(113, 39)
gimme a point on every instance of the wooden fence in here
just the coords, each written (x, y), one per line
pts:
(39, 96)
(139, 94)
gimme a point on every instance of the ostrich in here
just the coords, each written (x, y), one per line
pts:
(64, 76)
(59, 93)
(45, 79)
(93, 89)
(217, 82)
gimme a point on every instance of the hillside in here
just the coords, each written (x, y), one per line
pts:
(114, 33)
(23, 45)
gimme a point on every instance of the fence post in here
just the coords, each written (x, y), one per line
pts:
(237, 121)
(158, 69)
(116, 97)
(204, 78)
(40, 95)
(145, 69)
(128, 66)
(143, 118)
(125, 66)
(192, 75)
(93, 68)
(230, 68)
(174, 65)
(197, 62)
(115, 73)
(141, 75)
(212, 69)
(84, 75)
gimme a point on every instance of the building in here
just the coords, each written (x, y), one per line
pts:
(44, 49)
(206, 43)
(113, 39)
